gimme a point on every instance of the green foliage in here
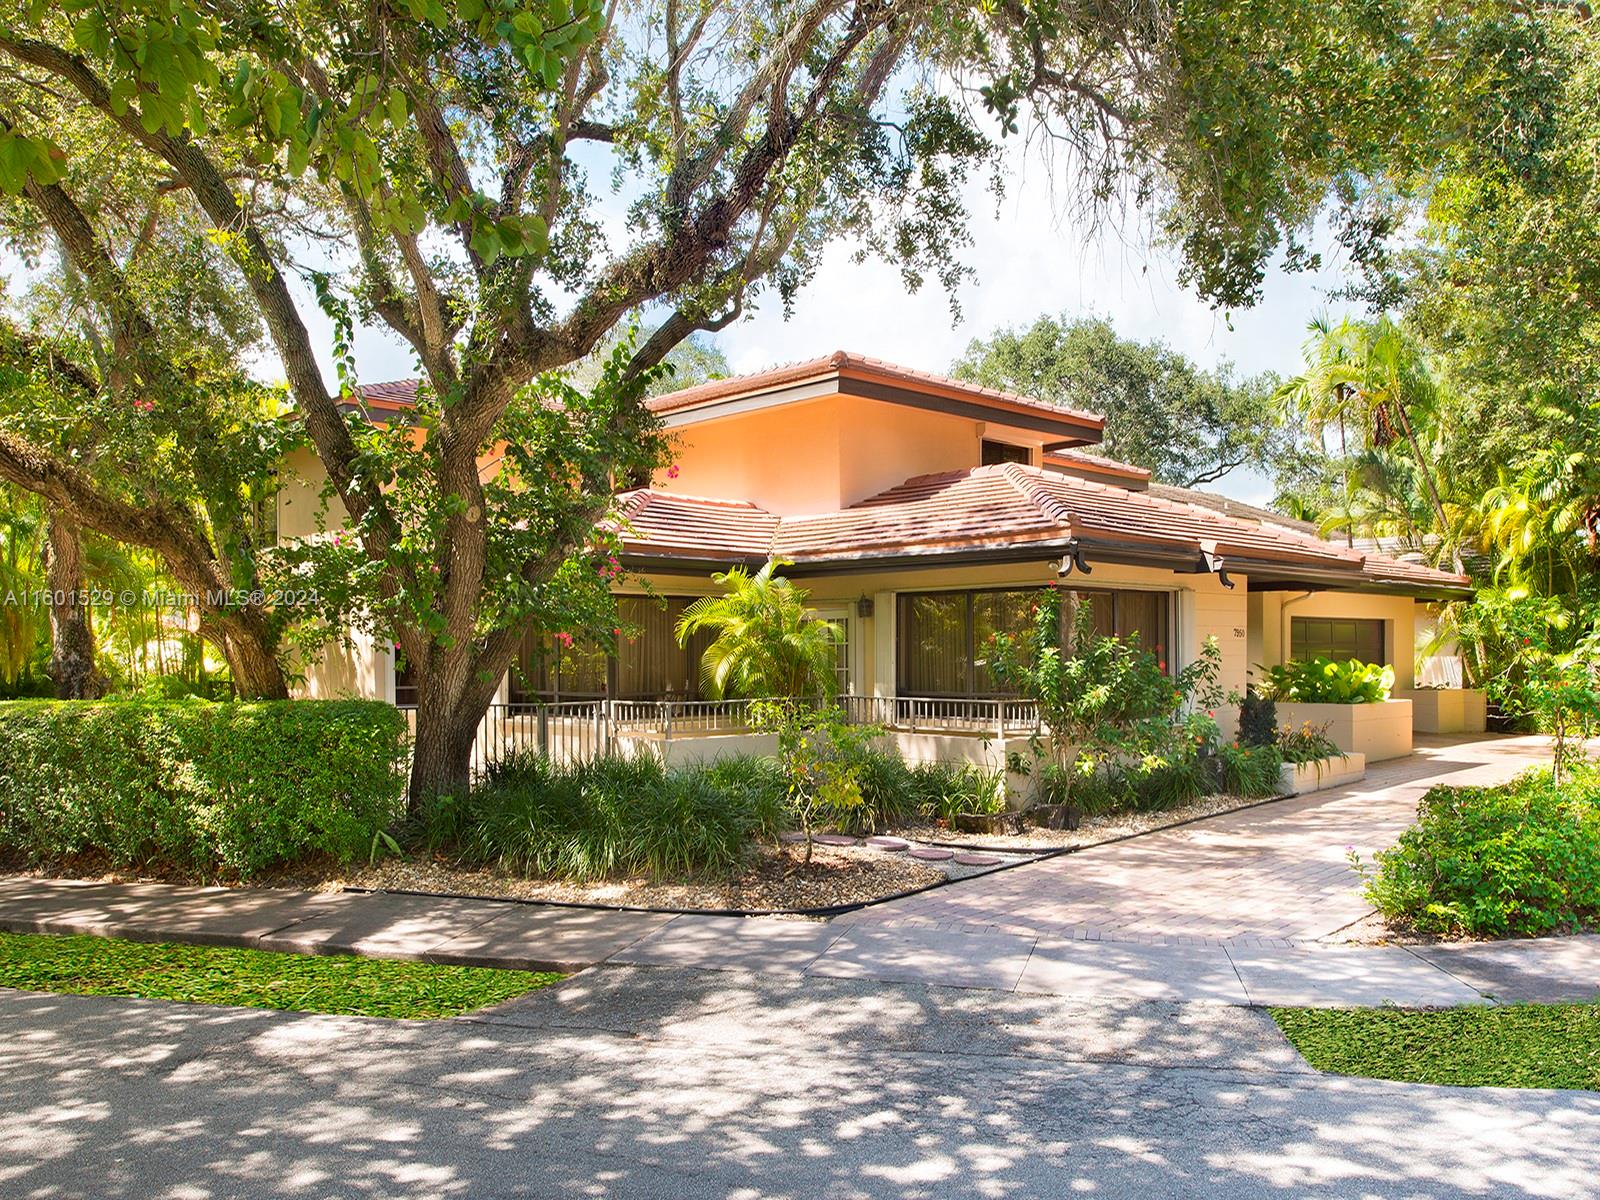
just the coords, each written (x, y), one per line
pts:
(897, 792)
(1187, 425)
(1309, 743)
(1247, 770)
(1109, 706)
(768, 645)
(618, 816)
(359, 987)
(1327, 681)
(208, 789)
(1258, 719)
(1519, 859)
(1517, 1045)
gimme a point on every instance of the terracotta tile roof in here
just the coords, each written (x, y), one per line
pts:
(1099, 463)
(668, 524)
(997, 508)
(391, 396)
(844, 364)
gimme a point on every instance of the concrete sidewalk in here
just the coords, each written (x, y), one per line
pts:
(530, 937)
(494, 933)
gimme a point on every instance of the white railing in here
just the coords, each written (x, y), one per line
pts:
(577, 731)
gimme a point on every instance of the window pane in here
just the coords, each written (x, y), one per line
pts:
(933, 641)
(1144, 615)
(1098, 603)
(992, 613)
(1003, 452)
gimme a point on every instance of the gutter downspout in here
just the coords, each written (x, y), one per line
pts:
(1283, 625)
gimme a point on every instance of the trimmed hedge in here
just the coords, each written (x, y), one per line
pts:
(213, 789)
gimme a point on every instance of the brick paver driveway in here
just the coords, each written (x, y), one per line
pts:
(1273, 875)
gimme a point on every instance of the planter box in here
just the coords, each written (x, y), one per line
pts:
(1448, 710)
(689, 750)
(1375, 731)
(1295, 779)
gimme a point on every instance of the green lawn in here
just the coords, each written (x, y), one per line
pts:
(1521, 1045)
(367, 987)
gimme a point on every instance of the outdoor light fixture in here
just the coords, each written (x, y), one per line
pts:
(864, 606)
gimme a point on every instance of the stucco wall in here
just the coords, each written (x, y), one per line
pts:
(300, 506)
(1279, 608)
(818, 455)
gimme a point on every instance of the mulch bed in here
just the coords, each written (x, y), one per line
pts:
(776, 878)
(1092, 832)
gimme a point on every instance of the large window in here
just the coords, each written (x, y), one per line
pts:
(649, 664)
(1337, 637)
(941, 636)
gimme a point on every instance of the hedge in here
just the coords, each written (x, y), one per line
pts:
(211, 789)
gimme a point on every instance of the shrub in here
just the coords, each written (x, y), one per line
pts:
(1246, 770)
(214, 789)
(619, 816)
(1522, 858)
(1258, 719)
(1326, 681)
(1309, 743)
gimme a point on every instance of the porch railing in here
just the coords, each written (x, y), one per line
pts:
(577, 731)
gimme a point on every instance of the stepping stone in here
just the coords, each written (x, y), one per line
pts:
(791, 837)
(978, 860)
(834, 839)
(931, 853)
(888, 843)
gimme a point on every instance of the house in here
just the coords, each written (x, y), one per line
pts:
(923, 513)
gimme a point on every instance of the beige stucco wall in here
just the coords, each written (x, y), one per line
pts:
(1269, 629)
(821, 455)
(301, 511)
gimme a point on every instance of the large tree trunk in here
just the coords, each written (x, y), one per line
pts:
(72, 644)
(257, 675)
(454, 691)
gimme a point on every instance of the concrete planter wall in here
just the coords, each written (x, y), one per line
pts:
(1448, 710)
(1295, 779)
(1375, 731)
(691, 749)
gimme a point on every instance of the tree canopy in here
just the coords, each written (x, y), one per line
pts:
(442, 168)
(1187, 424)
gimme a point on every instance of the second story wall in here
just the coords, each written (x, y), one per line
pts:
(819, 455)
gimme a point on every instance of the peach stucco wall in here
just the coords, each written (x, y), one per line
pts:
(819, 455)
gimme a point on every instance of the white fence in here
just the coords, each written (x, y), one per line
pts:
(576, 731)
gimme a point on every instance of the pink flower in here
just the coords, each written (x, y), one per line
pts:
(145, 406)
(672, 471)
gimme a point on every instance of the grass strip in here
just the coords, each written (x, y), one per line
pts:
(1519, 1045)
(365, 987)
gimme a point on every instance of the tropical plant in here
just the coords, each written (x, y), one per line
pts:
(616, 816)
(1328, 681)
(766, 642)
(1370, 380)
(1248, 770)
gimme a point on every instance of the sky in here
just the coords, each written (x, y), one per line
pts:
(1027, 261)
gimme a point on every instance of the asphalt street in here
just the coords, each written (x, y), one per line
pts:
(650, 1082)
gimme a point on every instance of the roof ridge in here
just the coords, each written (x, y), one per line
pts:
(1025, 480)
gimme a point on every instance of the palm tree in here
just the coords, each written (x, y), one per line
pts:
(767, 643)
(1372, 377)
